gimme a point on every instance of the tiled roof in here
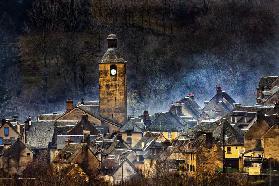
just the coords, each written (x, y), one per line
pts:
(82, 125)
(133, 126)
(40, 134)
(167, 122)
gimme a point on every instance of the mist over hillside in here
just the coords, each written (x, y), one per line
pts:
(50, 50)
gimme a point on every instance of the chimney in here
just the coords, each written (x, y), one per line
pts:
(146, 118)
(3, 121)
(218, 89)
(191, 95)
(112, 41)
(84, 118)
(69, 105)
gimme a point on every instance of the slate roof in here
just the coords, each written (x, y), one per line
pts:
(129, 163)
(188, 107)
(133, 125)
(267, 82)
(112, 55)
(15, 150)
(40, 134)
(147, 139)
(219, 105)
(68, 153)
(233, 136)
(242, 119)
(82, 125)
(90, 106)
(116, 144)
(167, 122)
(49, 117)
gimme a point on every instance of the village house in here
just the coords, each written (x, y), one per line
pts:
(16, 158)
(79, 154)
(169, 124)
(220, 105)
(242, 119)
(268, 90)
(188, 109)
(10, 133)
(132, 131)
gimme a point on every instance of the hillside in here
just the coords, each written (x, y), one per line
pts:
(172, 48)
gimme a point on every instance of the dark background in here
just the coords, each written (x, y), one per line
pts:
(50, 50)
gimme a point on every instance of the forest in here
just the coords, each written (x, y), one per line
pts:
(50, 50)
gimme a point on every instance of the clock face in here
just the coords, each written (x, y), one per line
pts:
(113, 72)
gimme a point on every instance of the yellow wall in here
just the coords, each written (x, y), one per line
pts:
(170, 135)
(235, 151)
(255, 170)
(135, 138)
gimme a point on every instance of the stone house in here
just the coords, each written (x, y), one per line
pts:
(188, 109)
(79, 154)
(132, 131)
(257, 131)
(8, 134)
(124, 172)
(16, 158)
(270, 143)
(169, 124)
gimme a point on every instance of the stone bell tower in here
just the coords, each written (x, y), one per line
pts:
(112, 84)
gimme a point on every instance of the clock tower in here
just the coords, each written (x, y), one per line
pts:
(112, 84)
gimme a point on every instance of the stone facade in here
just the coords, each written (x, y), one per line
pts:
(112, 85)
(270, 143)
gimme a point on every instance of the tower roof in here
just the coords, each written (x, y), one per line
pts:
(112, 54)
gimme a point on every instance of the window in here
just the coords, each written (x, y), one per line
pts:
(1, 141)
(141, 158)
(6, 131)
(229, 150)
(28, 154)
